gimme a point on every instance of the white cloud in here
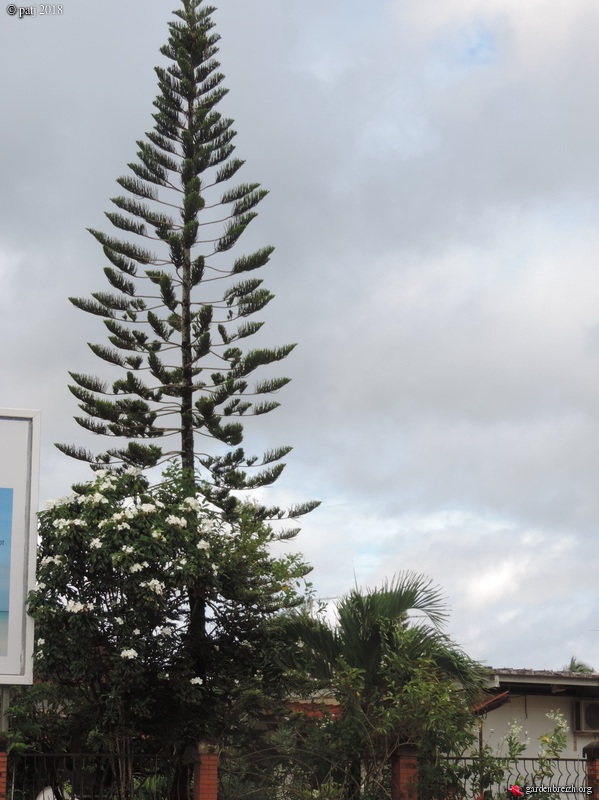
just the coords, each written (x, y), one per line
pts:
(433, 182)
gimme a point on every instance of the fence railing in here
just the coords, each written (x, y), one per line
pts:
(76, 776)
(567, 774)
(460, 778)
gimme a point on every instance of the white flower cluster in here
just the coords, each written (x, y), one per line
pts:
(51, 560)
(158, 535)
(61, 524)
(50, 505)
(147, 508)
(203, 545)
(128, 513)
(95, 543)
(179, 522)
(165, 631)
(95, 499)
(138, 567)
(155, 585)
(129, 654)
(74, 606)
(197, 681)
(107, 479)
(136, 471)
(193, 503)
(127, 549)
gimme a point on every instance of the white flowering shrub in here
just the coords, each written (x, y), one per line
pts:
(121, 566)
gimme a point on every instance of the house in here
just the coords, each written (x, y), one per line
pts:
(526, 696)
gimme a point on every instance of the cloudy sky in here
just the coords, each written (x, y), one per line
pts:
(434, 194)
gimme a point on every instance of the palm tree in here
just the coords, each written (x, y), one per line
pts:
(375, 657)
(576, 665)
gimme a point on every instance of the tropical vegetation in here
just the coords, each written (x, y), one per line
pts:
(119, 666)
(398, 678)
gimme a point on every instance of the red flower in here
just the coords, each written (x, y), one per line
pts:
(516, 791)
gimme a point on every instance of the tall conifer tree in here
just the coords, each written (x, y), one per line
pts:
(180, 306)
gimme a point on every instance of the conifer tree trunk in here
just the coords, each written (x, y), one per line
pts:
(187, 428)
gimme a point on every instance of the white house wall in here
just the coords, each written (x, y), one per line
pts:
(530, 710)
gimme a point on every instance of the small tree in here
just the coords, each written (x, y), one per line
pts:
(180, 306)
(114, 626)
(397, 682)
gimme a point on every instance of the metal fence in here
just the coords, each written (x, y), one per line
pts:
(76, 776)
(563, 776)
(460, 778)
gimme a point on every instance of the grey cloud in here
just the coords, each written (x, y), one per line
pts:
(433, 217)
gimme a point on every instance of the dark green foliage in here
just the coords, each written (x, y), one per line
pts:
(122, 659)
(397, 683)
(165, 317)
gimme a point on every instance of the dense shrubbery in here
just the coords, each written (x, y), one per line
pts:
(121, 565)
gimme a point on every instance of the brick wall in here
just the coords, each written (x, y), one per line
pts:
(591, 753)
(205, 773)
(404, 774)
(3, 774)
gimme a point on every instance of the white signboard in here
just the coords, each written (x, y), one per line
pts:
(19, 476)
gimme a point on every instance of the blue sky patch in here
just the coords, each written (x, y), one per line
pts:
(480, 47)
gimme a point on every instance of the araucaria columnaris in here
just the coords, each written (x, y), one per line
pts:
(180, 303)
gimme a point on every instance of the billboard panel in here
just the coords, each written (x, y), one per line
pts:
(19, 475)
